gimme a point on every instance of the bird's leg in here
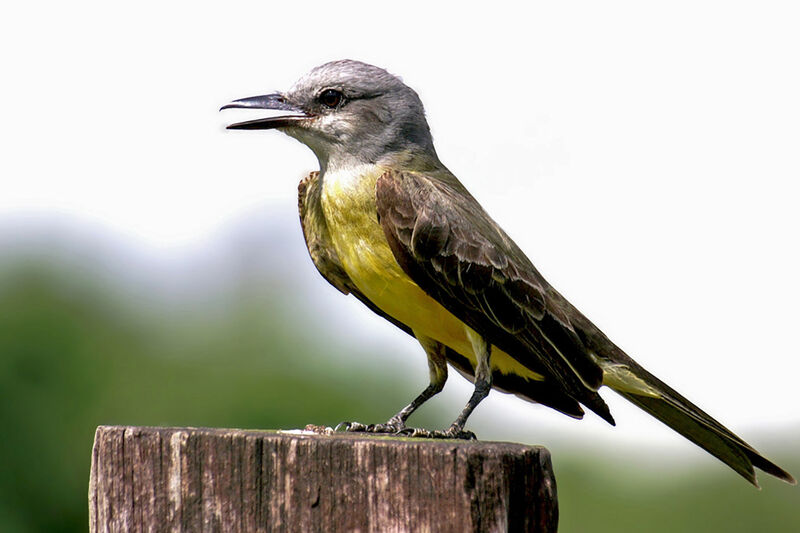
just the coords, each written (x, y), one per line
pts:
(437, 367)
(483, 384)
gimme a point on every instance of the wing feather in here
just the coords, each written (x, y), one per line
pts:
(431, 238)
(449, 246)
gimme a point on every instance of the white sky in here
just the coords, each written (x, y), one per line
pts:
(645, 156)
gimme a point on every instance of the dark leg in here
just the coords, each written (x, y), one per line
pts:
(437, 366)
(483, 384)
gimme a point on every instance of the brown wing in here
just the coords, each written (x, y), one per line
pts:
(323, 254)
(455, 252)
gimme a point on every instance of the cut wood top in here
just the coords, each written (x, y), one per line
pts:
(199, 479)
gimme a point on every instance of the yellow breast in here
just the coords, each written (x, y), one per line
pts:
(348, 202)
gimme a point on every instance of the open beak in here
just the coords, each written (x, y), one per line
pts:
(267, 101)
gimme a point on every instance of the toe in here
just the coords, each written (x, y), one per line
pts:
(351, 426)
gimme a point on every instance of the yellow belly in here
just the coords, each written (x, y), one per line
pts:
(350, 212)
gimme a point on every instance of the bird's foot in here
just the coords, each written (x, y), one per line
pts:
(393, 426)
(350, 427)
(449, 433)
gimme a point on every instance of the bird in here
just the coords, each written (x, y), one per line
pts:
(385, 221)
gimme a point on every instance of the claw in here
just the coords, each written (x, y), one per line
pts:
(450, 433)
(397, 427)
(350, 426)
(389, 427)
(456, 433)
(393, 426)
(420, 433)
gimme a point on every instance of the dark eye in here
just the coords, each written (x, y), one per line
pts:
(331, 98)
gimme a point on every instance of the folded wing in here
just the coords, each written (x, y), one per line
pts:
(455, 252)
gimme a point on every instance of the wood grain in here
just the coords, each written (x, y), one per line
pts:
(190, 479)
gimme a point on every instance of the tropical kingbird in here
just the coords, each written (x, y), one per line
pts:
(386, 221)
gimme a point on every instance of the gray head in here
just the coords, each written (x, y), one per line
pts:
(347, 111)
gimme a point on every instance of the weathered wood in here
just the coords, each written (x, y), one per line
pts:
(187, 479)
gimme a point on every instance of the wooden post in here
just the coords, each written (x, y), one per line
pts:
(192, 480)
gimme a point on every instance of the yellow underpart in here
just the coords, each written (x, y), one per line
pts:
(348, 202)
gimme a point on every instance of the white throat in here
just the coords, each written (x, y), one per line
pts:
(345, 175)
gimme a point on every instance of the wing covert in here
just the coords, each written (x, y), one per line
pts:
(454, 251)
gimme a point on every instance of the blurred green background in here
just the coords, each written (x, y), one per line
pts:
(93, 332)
(643, 153)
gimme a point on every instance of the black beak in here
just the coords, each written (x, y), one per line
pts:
(267, 101)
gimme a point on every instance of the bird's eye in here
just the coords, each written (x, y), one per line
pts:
(331, 98)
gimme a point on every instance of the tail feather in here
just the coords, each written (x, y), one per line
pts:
(637, 385)
(683, 416)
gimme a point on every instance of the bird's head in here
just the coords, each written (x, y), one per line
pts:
(347, 112)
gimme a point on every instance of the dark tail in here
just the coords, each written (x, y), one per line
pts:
(661, 401)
